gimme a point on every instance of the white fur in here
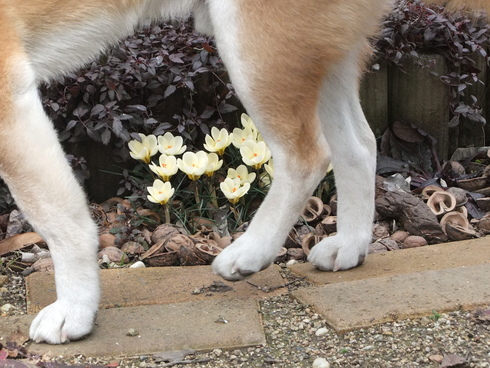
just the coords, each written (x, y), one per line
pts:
(353, 148)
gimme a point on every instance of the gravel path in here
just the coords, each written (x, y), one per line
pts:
(296, 336)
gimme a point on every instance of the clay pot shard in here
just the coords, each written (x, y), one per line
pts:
(313, 210)
(441, 203)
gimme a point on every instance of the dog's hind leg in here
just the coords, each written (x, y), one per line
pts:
(353, 149)
(34, 166)
(280, 93)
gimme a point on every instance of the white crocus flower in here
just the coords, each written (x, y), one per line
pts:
(167, 167)
(241, 172)
(233, 189)
(214, 164)
(145, 149)
(218, 140)
(255, 154)
(193, 164)
(160, 192)
(247, 122)
(269, 167)
(171, 145)
(240, 136)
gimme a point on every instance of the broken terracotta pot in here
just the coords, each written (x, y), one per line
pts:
(441, 203)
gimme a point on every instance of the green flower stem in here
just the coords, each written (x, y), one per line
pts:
(212, 193)
(196, 193)
(167, 213)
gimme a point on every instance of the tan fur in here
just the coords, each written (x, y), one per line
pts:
(292, 59)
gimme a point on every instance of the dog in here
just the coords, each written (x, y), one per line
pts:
(296, 66)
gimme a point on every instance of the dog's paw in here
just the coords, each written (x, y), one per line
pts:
(243, 258)
(338, 253)
(61, 322)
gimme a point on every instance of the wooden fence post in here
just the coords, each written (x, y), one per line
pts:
(374, 99)
(417, 96)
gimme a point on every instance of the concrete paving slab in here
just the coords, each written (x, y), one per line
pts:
(363, 303)
(433, 257)
(192, 325)
(3, 280)
(159, 285)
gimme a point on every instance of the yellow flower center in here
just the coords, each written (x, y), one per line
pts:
(233, 190)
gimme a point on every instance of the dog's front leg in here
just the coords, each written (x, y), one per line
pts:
(353, 149)
(34, 166)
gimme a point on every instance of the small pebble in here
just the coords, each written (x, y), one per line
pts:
(321, 363)
(291, 262)
(138, 264)
(6, 308)
(321, 331)
(132, 332)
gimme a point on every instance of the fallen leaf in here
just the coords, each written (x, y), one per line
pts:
(17, 242)
(482, 315)
(452, 360)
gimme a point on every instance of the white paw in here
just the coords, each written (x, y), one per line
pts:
(61, 322)
(339, 253)
(243, 258)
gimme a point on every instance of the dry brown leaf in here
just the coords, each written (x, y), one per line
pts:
(17, 242)
(452, 360)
